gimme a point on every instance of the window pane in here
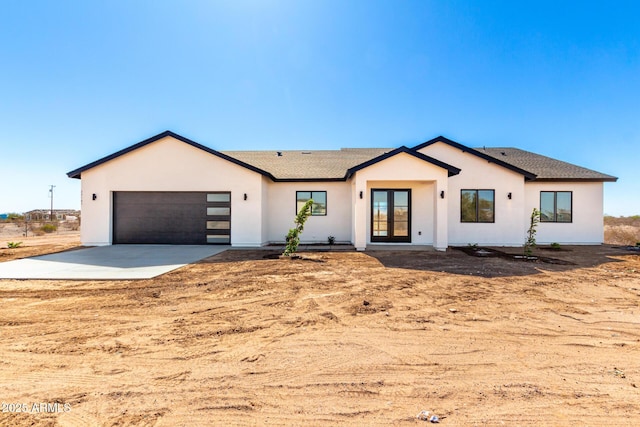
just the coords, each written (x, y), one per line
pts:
(547, 206)
(485, 206)
(219, 197)
(563, 206)
(380, 213)
(219, 211)
(218, 239)
(401, 198)
(303, 196)
(319, 206)
(380, 228)
(401, 213)
(401, 228)
(218, 225)
(301, 199)
(319, 203)
(468, 206)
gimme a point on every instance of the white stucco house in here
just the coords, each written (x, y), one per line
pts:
(171, 190)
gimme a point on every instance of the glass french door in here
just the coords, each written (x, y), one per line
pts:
(390, 215)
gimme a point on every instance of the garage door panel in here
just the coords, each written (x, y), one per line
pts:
(165, 218)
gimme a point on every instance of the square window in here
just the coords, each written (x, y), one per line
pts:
(477, 206)
(556, 206)
(319, 206)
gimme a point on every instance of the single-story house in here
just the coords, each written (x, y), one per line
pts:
(59, 215)
(171, 190)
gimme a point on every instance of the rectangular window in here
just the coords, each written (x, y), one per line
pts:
(319, 206)
(477, 206)
(219, 197)
(556, 206)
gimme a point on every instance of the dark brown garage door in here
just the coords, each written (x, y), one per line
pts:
(179, 218)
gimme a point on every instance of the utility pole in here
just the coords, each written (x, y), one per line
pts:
(51, 191)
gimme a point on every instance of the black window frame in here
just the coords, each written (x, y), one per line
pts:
(326, 202)
(477, 217)
(555, 207)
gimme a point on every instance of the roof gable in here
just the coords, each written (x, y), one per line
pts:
(77, 173)
(527, 175)
(452, 170)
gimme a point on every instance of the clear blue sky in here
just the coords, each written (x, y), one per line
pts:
(82, 79)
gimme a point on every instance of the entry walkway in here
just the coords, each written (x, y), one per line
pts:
(115, 262)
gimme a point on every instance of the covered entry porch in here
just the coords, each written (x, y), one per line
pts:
(400, 199)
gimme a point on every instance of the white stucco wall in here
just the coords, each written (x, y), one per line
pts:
(587, 226)
(478, 174)
(281, 211)
(428, 212)
(171, 165)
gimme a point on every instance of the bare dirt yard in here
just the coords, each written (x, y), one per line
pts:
(337, 338)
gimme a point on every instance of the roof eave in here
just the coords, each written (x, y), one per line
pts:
(604, 179)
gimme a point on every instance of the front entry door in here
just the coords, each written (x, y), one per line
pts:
(391, 215)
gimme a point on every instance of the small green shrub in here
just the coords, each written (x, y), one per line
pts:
(331, 240)
(530, 242)
(49, 228)
(13, 245)
(293, 237)
(555, 246)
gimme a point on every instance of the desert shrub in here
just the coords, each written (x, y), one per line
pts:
(13, 245)
(49, 228)
(631, 221)
(627, 235)
(71, 225)
(15, 217)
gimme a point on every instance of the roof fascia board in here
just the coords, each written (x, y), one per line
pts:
(310, 179)
(608, 179)
(76, 173)
(528, 175)
(452, 170)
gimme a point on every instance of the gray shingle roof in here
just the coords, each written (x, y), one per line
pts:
(546, 168)
(336, 164)
(308, 164)
(333, 164)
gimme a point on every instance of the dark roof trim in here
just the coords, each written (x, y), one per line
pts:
(607, 179)
(78, 172)
(528, 175)
(451, 169)
(309, 179)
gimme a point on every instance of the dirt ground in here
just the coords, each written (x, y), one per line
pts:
(32, 244)
(338, 338)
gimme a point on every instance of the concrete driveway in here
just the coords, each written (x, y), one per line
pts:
(116, 262)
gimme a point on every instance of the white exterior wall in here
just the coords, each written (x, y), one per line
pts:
(587, 214)
(171, 165)
(428, 212)
(478, 174)
(282, 209)
(264, 238)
